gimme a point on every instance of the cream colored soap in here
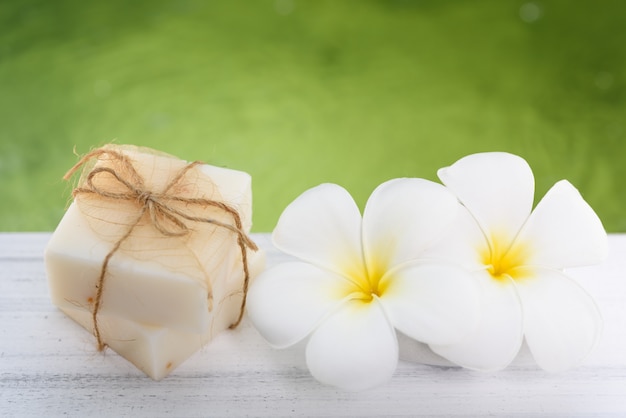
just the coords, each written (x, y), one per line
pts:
(158, 350)
(172, 281)
(137, 291)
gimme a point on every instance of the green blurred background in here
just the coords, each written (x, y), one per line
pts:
(303, 92)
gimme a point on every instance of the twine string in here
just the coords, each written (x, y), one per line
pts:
(163, 215)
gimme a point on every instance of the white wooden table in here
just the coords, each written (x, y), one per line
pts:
(49, 366)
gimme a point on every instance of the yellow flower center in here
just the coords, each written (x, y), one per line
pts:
(503, 259)
(366, 285)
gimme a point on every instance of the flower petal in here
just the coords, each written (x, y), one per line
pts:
(564, 231)
(435, 304)
(322, 226)
(461, 245)
(286, 302)
(562, 322)
(402, 217)
(498, 337)
(355, 348)
(498, 189)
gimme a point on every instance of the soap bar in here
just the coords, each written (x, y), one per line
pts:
(142, 291)
(157, 351)
(161, 240)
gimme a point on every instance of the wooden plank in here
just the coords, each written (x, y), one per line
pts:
(49, 366)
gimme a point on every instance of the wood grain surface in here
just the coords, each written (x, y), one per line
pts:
(49, 366)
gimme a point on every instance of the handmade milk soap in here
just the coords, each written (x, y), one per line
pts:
(173, 275)
(158, 350)
(142, 291)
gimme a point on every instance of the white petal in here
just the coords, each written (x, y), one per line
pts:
(286, 302)
(322, 226)
(461, 245)
(402, 217)
(498, 189)
(435, 304)
(498, 337)
(564, 231)
(562, 322)
(355, 348)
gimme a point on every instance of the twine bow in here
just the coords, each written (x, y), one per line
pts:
(164, 216)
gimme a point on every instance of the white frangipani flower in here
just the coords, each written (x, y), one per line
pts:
(358, 280)
(518, 256)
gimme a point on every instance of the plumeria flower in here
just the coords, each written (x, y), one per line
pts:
(519, 256)
(358, 280)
